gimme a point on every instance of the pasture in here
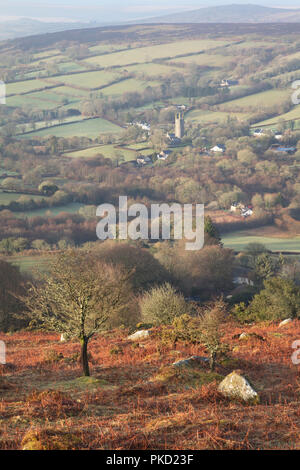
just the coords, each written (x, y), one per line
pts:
(130, 85)
(264, 99)
(87, 79)
(108, 151)
(71, 208)
(209, 60)
(203, 116)
(294, 114)
(85, 128)
(7, 198)
(238, 241)
(149, 53)
(25, 86)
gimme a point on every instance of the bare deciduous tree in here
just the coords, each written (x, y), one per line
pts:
(78, 296)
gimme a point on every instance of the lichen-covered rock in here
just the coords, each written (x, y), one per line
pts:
(246, 336)
(236, 386)
(139, 335)
(191, 361)
(285, 322)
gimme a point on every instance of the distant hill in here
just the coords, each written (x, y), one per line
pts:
(231, 14)
(28, 27)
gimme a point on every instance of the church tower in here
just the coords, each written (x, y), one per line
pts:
(179, 125)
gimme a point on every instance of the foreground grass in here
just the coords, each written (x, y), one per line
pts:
(45, 402)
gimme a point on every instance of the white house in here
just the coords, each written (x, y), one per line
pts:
(218, 148)
(163, 155)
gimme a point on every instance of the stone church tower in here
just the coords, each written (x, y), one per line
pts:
(179, 125)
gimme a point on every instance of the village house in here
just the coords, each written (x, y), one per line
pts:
(241, 276)
(245, 211)
(164, 154)
(218, 149)
(225, 82)
(143, 125)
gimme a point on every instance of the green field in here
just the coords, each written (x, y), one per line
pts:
(30, 101)
(7, 198)
(149, 53)
(49, 124)
(65, 67)
(108, 151)
(294, 114)
(24, 86)
(87, 79)
(30, 264)
(202, 116)
(259, 100)
(238, 241)
(130, 85)
(71, 208)
(152, 70)
(211, 60)
(86, 128)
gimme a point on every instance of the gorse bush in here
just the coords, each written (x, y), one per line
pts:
(279, 299)
(162, 304)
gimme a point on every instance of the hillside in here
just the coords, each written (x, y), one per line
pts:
(129, 403)
(232, 14)
(27, 27)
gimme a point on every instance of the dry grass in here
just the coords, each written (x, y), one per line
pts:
(46, 404)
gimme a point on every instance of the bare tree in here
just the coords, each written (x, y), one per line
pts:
(78, 296)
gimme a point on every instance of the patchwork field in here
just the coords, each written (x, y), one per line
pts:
(111, 151)
(25, 86)
(294, 114)
(147, 54)
(238, 241)
(87, 80)
(209, 60)
(203, 116)
(71, 208)
(7, 198)
(261, 100)
(28, 264)
(85, 128)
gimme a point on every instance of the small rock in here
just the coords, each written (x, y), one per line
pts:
(237, 387)
(246, 336)
(191, 361)
(141, 334)
(285, 322)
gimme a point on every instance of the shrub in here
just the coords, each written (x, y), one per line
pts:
(279, 299)
(162, 304)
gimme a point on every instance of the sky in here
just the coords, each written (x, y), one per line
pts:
(106, 11)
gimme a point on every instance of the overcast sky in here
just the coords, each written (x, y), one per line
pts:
(114, 10)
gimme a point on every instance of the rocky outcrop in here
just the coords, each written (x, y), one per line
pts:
(140, 335)
(236, 386)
